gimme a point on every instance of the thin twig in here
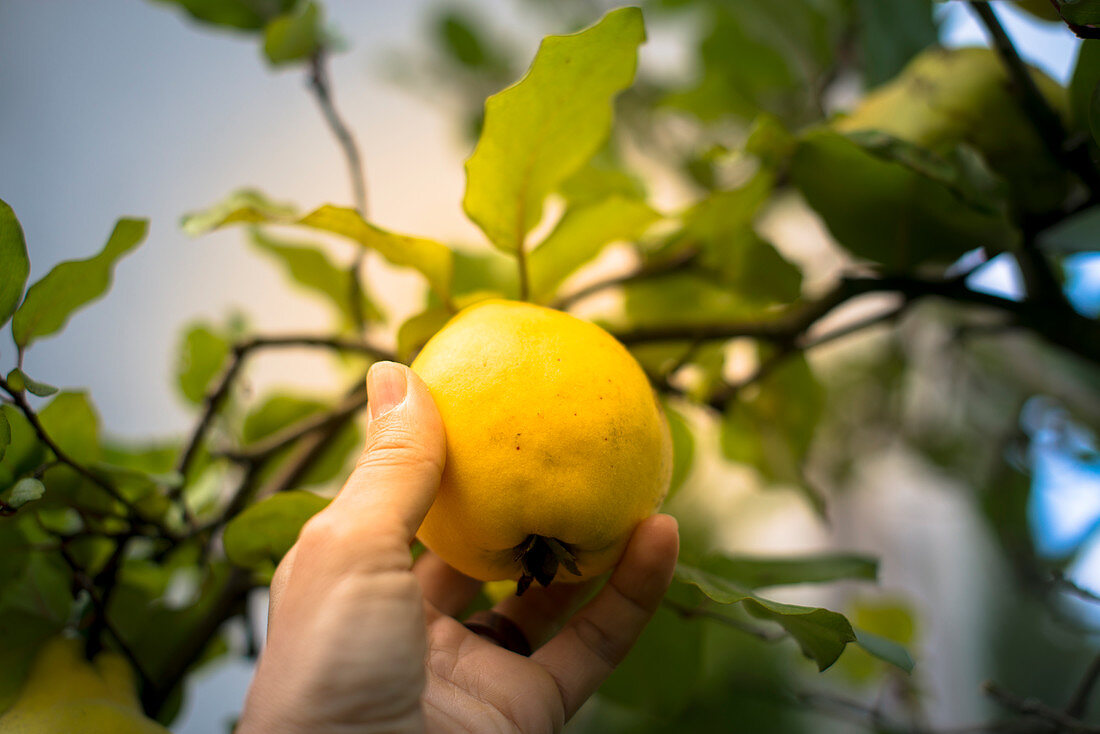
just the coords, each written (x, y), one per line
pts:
(62, 456)
(226, 604)
(270, 445)
(218, 393)
(1068, 330)
(1080, 699)
(322, 92)
(1037, 709)
(313, 445)
(100, 606)
(679, 263)
(1046, 120)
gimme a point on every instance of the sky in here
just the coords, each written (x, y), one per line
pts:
(122, 107)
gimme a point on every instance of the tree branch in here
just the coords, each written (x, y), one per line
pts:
(1080, 699)
(1065, 328)
(20, 401)
(322, 92)
(100, 606)
(1046, 120)
(267, 447)
(1035, 708)
(226, 604)
(242, 349)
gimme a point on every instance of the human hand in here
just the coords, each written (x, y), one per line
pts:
(360, 639)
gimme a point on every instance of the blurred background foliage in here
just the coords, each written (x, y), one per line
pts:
(849, 259)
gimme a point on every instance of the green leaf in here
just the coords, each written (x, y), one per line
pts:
(771, 428)
(754, 572)
(764, 57)
(485, 272)
(14, 262)
(462, 41)
(431, 259)
(885, 649)
(418, 329)
(1079, 233)
(259, 537)
(820, 633)
(278, 412)
(683, 449)
(580, 235)
(20, 380)
(72, 422)
(961, 170)
(27, 489)
(308, 266)
(721, 228)
(884, 211)
(241, 14)
(600, 178)
(542, 129)
(245, 205)
(5, 435)
(1086, 76)
(682, 299)
(891, 34)
(51, 301)
(294, 36)
(202, 355)
(22, 453)
(1081, 12)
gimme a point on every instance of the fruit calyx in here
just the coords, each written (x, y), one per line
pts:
(540, 557)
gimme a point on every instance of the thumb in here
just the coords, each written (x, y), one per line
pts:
(397, 475)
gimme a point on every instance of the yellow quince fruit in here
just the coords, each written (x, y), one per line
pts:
(556, 444)
(64, 692)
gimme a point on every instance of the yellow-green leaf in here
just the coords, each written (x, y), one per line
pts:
(261, 535)
(580, 236)
(72, 284)
(245, 205)
(544, 128)
(431, 259)
(14, 263)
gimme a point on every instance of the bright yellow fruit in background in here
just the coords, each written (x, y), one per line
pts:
(66, 693)
(944, 97)
(554, 435)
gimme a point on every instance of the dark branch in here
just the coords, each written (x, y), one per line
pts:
(1080, 699)
(216, 397)
(322, 92)
(1035, 708)
(229, 602)
(1046, 120)
(99, 604)
(269, 446)
(1066, 329)
(20, 401)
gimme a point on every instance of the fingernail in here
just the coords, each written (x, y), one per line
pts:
(386, 387)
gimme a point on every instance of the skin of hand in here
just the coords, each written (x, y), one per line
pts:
(361, 639)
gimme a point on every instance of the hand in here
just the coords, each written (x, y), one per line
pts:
(362, 640)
